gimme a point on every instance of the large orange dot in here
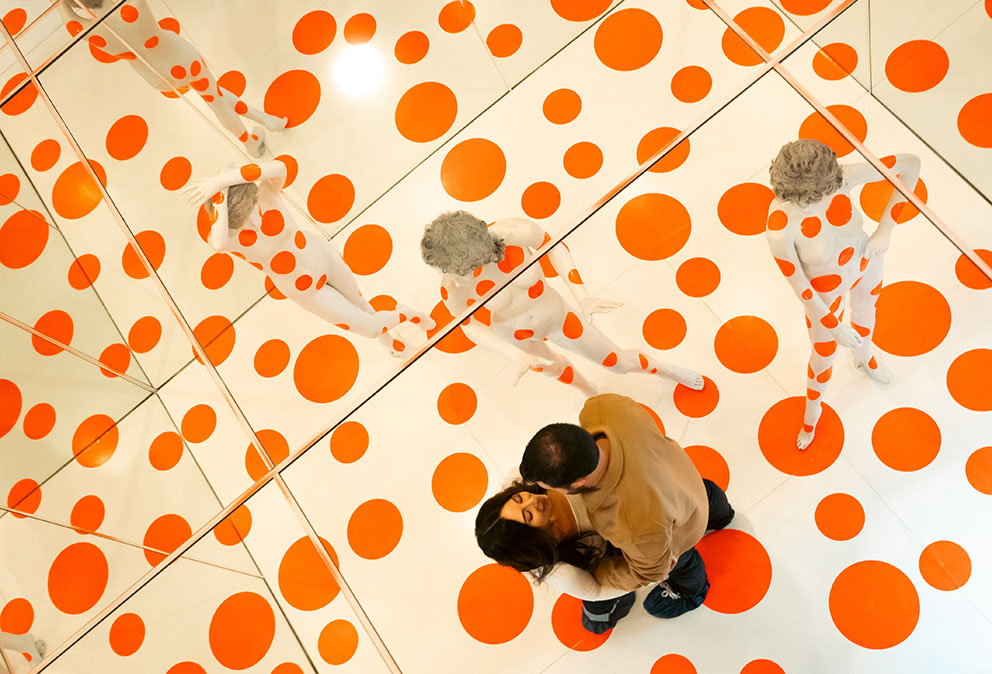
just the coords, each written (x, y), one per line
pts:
(165, 534)
(75, 194)
(126, 137)
(304, 580)
(457, 403)
(580, 10)
(835, 61)
(367, 249)
(968, 272)
(295, 94)
(874, 604)
(456, 16)
(968, 380)
(691, 84)
(330, 198)
(459, 482)
(83, 271)
(743, 209)
(234, 528)
(561, 106)
(216, 271)
(473, 169)
(426, 111)
(495, 604)
(738, 568)
(94, 441)
(779, 428)
(326, 368)
(144, 334)
(165, 450)
(664, 329)
(77, 578)
(628, 39)
(696, 404)
(818, 128)
(764, 25)
(198, 423)
(14, 20)
(710, 464)
(875, 197)
(216, 335)
(839, 517)
(978, 470)
(375, 528)
(314, 32)
(745, 344)
(913, 318)
(25, 496)
(673, 663)
(10, 405)
(411, 47)
(906, 439)
(88, 513)
(152, 245)
(241, 630)
(38, 421)
(23, 237)
(697, 277)
(337, 642)
(945, 565)
(17, 616)
(56, 324)
(453, 342)
(917, 65)
(127, 634)
(973, 121)
(659, 139)
(116, 357)
(45, 154)
(653, 226)
(566, 621)
(540, 200)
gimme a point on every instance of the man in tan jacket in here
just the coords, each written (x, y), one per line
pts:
(642, 494)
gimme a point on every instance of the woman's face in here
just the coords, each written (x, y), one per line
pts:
(534, 510)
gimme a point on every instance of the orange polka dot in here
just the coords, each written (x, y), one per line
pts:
(14, 20)
(271, 358)
(152, 245)
(295, 94)
(56, 324)
(835, 61)
(495, 604)
(426, 111)
(374, 529)
(166, 450)
(504, 40)
(144, 334)
(673, 663)
(764, 25)
(198, 423)
(473, 169)
(762, 666)
(875, 198)
(691, 84)
(23, 237)
(292, 168)
(95, 441)
(411, 47)
(945, 565)
(23, 99)
(978, 470)
(337, 642)
(825, 283)
(710, 464)
(696, 404)
(455, 341)
(233, 81)
(906, 439)
(968, 378)
(457, 403)
(117, 357)
(326, 369)
(810, 227)
(241, 630)
(745, 344)
(25, 496)
(359, 29)
(804, 7)
(38, 421)
(583, 160)
(973, 121)
(273, 222)
(75, 194)
(10, 185)
(126, 137)
(275, 448)
(186, 667)
(874, 604)
(561, 106)
(566, 622)
(17, 616)
(738, 568)
(743, 209)
(367, 249)
(839, 517)
(659, 139)
(330, 198)
(216, 335)
(314, 32)
(45, 154)
(456, 16)
(459, 482)
(697, 277)
(77, 578)
(540, 200)
(969, 274)
(349, 442)
(816, 127)
(663, 329)
(913, 318)
(216, 271)
(580, 10)
(234, 528)
(779, 428)
(653, 226)
(917, 65)
(165, 534)
(304, 580)
(83, 271)
(10, 405)
(628, 39)
(127, 634)
(288, 668)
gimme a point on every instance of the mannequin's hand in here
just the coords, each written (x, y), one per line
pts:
(847, 337)
(201, 191)
(598, 305)
(877, 244)
(527, 362)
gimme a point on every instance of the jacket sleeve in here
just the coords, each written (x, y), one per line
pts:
(645, 560)
(581, 584)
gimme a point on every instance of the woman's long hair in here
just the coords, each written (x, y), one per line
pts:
(527, 548)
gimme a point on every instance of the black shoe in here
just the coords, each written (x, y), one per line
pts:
(665, 602)
(599, 623)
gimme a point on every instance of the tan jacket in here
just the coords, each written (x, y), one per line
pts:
(651, 502)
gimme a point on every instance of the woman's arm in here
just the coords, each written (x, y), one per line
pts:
(581, 584)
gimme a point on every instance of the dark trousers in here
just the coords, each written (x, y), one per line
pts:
(687, 583)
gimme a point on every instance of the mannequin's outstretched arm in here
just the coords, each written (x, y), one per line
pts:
(907, 168)
(68, 13)
(200, 191)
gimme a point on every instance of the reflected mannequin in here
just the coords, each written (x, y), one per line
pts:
(173, 61)
(22, 643)
(817, 240)
(251, 220)
(527, 313)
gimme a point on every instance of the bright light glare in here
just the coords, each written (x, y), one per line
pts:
(359, 70)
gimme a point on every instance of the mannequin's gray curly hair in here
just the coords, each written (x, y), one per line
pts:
(457, 242)
(805, 171)
(241, 199)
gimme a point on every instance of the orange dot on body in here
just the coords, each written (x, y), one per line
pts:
(426, 111)
(874, 604)
(368, 249)
(583, 160)
(566, 622)
(691, 84)
(374, 529)
(117, 357)
(152, 245)
(242, 630)
(764, 25)
(126, 137)
(835, 61)
(83, 271)
(271, 358)
(710, 464)
(978, 470)
(816, 126)
(743, 209)
(326, 369)
(561, 106)
(968, 380)
(968, 272)
(698, 277)
(906, 439)
(504, 40)
(359, 29)
(56, 324)
(917, 65)
(495, 604)
(304, 580)
(660, 139)
(95, 441)
(913, 318)
(166, 450)
(349, 442)
(314, 32)
(473, 169)
(127, 633)
(628, 39)
(17, 616)
(457, 403)
(38, 421)
(973, 121)
(411, 47)
(144, 334)
(459, 482)
(456, 16)
(694, 403)
(337, 642)
(945, 565)
(875, 198)
(45, 154)
(330, 198)
(653, 226)
(216, 335)
(77, 578)
(165, 534)
(25, 496)
(295, 94)
(664, 329)
(540, 200)
(839, 517)
(23, 237)
(738, 568)
(779, 428)
(746, 344)
(580, 10)
(198, 423)
(234, 528)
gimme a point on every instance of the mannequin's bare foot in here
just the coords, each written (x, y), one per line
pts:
(805, 438)
(256, 142)
(684, 376)
(873, 367)
(418, 318)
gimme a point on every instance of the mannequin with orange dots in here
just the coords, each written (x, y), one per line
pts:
(253, 222)
(819, 245)
(173, 61)
(474, 258)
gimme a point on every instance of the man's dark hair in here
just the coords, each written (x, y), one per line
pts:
(558, 455)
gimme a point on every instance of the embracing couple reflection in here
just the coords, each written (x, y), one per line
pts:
(604, 508)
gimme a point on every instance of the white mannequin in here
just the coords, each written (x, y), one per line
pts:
(818, 242)
(22, 643)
